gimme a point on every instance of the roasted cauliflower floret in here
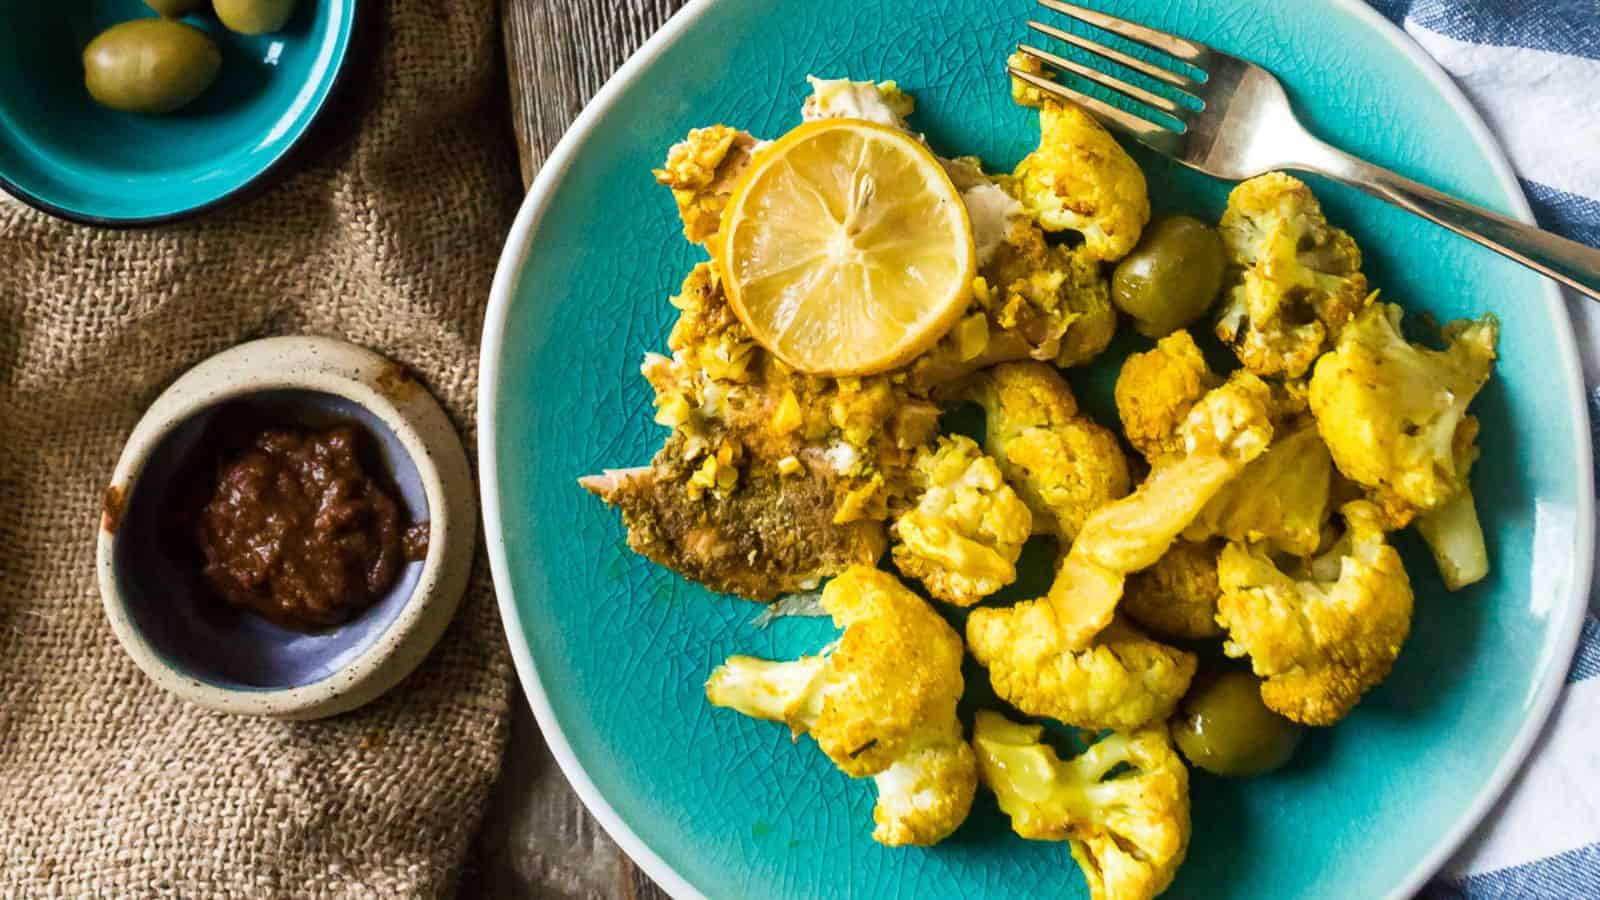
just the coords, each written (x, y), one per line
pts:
(1455, 537)
(1325, 633)
(1072, 469)
(963, 536)
(1063, 465)
(1080, 179)
(1280, 498)
(1177, 597)
(926, 794)
(1022, 395)
(1053, 300)
(1123, 803)
(1155, 391)
(1293, 280)
(1121, 680)
(1028, 647)
(1394, 415)
(700, 170)
(880, 704)
(1222, 434)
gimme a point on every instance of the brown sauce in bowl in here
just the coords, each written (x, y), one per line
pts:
(298, 527)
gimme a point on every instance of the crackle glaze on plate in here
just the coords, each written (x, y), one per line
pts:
(613, 650)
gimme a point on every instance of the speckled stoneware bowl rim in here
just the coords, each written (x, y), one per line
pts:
(424, 432)
(503, 294)
(270, 170)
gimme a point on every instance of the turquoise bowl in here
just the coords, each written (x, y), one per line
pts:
(613, 650)
(67, 155)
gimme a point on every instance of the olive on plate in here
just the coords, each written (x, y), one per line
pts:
(1223, 727)
(1171, 278)
(149, 65)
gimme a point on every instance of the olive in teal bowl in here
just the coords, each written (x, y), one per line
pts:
(62, 152)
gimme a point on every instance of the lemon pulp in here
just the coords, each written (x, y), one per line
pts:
(845, 249)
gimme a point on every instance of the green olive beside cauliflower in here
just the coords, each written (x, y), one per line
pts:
(1224, 728)
(149, 65)
(1171, 278)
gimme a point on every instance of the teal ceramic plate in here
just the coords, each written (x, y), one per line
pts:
(63, 153)
(613, 650)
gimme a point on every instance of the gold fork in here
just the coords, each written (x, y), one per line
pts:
(1244, 126)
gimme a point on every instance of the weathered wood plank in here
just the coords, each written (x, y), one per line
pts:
(538, 841)
(559, 52)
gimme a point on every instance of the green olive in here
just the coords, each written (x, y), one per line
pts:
(149, 65)
(1171, 278)
(1224, 728)
(253, 16)
(172, 9)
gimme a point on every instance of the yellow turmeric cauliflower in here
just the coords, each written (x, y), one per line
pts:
(1325, 633)
(1155, 391)
(1123, 803)
(1032, 649)
(881, 704)
(1177, 597)
(1280, 498)
(1393, 414)
(1063, 465)
(1222, 434)
(926, 794)
(1121, 680)
(701, 170)
(1455, 538)
(963, 536)
(1413, 445)
(1293, 279)
(1079, 179)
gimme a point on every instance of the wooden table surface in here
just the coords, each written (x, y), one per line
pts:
(538, 840)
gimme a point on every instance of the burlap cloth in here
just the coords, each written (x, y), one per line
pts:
(385, 233)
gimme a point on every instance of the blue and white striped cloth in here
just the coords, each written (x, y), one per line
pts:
(1532, 68)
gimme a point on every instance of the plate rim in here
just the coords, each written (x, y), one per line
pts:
(359, 11)
(502, 295)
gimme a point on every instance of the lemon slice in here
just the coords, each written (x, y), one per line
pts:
(845, 249)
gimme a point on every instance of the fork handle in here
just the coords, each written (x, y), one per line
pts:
(1573, 264)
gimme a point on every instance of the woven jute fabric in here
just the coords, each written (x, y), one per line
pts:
(385, 232)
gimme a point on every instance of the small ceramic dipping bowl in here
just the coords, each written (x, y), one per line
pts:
(62, 152)
(197, 646)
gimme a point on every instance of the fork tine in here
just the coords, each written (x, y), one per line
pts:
(1175, 79)
(1105, 80)
(1115, 119)
(1182, 48)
